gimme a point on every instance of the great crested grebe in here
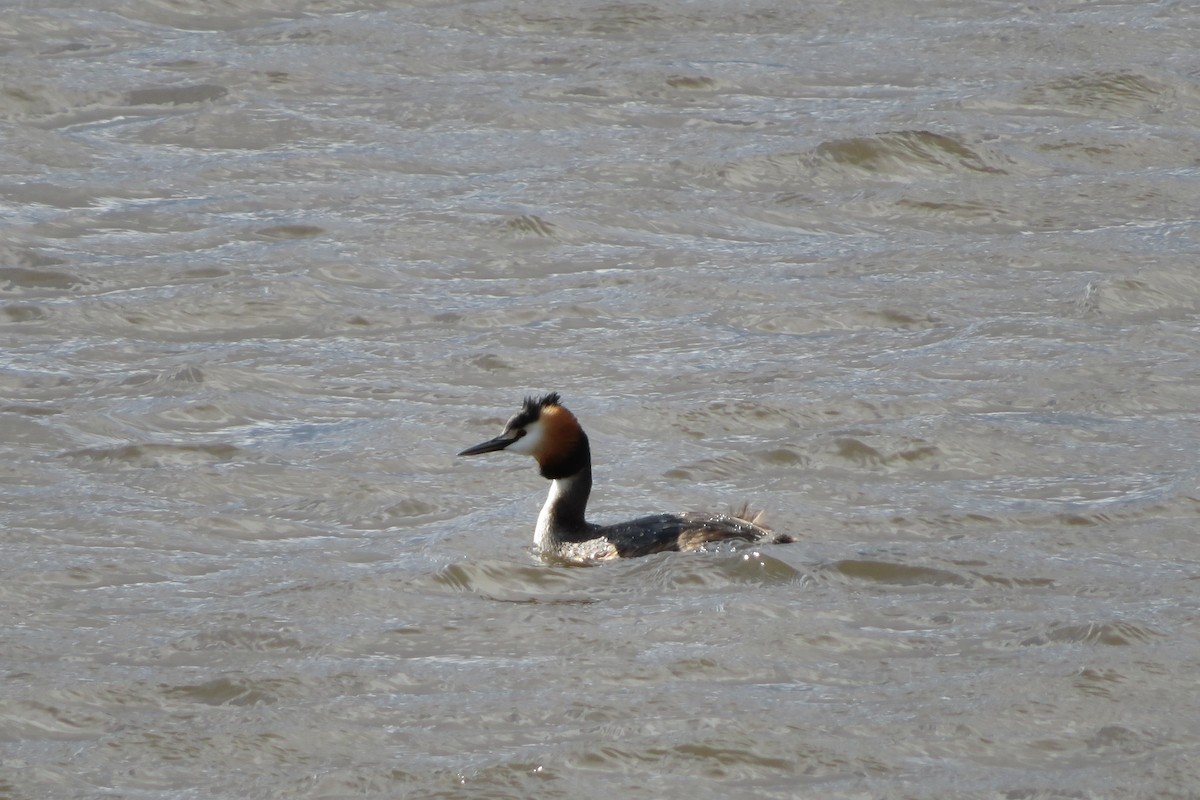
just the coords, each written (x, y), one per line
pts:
(546, 430)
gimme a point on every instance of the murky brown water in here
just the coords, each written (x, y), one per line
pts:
(919, 278)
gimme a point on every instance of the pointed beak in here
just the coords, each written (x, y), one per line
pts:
(491, 445)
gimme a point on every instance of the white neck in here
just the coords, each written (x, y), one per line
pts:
(562, 517)
(543, 535)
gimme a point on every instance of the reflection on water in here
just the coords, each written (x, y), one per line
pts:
(918, 280)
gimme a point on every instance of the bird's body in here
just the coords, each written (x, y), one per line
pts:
(551, 434)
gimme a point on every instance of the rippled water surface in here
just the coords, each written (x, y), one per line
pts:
(921, 279)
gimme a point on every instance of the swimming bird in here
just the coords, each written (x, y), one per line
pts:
(547, 431)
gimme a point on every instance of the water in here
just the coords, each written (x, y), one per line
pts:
(918, 278)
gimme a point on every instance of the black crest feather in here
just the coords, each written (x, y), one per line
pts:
(533, 408)
(548, 399)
